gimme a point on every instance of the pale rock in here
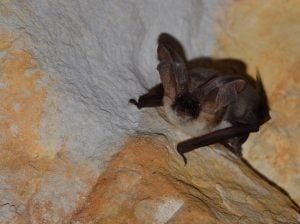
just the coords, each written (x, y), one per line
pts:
(68, 69)
(266, 37)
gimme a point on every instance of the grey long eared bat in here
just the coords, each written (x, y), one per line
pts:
(207, 104)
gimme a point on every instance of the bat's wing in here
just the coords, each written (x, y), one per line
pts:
(220, 98)
(214, 137)
(154, 98)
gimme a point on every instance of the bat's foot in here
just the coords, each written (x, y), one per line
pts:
(238, 154)
(236, 148)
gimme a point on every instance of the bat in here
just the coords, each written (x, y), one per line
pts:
(210, 105)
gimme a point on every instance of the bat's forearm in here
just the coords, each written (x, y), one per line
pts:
(214, 137)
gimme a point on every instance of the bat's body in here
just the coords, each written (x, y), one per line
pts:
(208, 105)
(204, 122)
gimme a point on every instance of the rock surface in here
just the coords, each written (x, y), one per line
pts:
(266, 36)
(68, 69)
(144, 183)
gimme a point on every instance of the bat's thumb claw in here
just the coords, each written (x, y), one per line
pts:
(134, 102)
(184, 159)
(179, 150)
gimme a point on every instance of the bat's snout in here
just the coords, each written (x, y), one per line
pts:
(185, 106)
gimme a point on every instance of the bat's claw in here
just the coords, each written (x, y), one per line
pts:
(184, 158)
(181, 153)
(134, 102)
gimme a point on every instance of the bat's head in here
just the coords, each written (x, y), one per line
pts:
(186, 106)
(188, 99)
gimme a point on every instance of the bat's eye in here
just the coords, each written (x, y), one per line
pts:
(186, 105)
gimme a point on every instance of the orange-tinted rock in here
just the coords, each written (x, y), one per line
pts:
(265, 34)
(23, 160)
(30, 173)
(56, 138)
(145, 184)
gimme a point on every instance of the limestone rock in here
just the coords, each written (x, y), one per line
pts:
(146, 184)
(68, 69)
(265, 36)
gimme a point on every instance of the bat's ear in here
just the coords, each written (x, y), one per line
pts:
(172, 70)
(163, 53)
(221, 96)
(168, 54)
(166, 72)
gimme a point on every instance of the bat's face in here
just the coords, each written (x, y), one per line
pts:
(186, 106)
(186, 113)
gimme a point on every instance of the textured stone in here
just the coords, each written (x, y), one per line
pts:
(266, 36)
(144, 183)
(68, 69)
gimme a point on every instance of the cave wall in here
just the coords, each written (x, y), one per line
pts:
(68, 69)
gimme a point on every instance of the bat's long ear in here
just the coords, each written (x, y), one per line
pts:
(172, 70)
(220, 92)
